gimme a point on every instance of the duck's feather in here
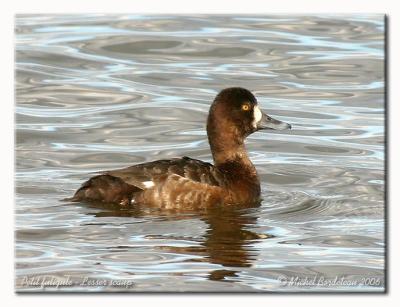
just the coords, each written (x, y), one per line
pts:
(144, 175)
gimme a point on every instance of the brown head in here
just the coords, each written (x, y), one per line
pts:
(233, 116)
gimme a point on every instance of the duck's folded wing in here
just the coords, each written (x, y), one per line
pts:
(144, 175)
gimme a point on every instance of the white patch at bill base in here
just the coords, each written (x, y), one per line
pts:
(257, 116)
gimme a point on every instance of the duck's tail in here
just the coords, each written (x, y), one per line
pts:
(106, 189)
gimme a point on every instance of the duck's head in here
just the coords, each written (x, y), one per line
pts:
(235, 113)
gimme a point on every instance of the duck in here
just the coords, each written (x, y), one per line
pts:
(187, 183)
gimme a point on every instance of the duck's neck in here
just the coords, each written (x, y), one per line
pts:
(229, 153)
(240, 175)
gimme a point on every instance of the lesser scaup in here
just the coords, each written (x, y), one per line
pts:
(190, 183)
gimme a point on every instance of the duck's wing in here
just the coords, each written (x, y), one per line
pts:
(144, 175)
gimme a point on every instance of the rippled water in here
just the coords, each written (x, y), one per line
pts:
(98, 92)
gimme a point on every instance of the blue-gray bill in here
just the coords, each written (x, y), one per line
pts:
(267, 122)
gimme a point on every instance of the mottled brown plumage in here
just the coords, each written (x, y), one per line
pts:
(187, 183)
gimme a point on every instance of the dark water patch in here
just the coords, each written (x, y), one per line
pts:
(142, 47)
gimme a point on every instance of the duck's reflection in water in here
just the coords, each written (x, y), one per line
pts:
(229, 240)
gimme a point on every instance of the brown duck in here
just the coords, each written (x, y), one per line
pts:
(186, 183)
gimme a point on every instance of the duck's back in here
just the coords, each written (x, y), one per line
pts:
(144, 175)
(172, 183)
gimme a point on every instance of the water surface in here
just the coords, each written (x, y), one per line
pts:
(97, 92)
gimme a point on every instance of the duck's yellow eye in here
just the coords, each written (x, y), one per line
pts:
(245, 107)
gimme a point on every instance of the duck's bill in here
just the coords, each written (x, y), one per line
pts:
(267, 122)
